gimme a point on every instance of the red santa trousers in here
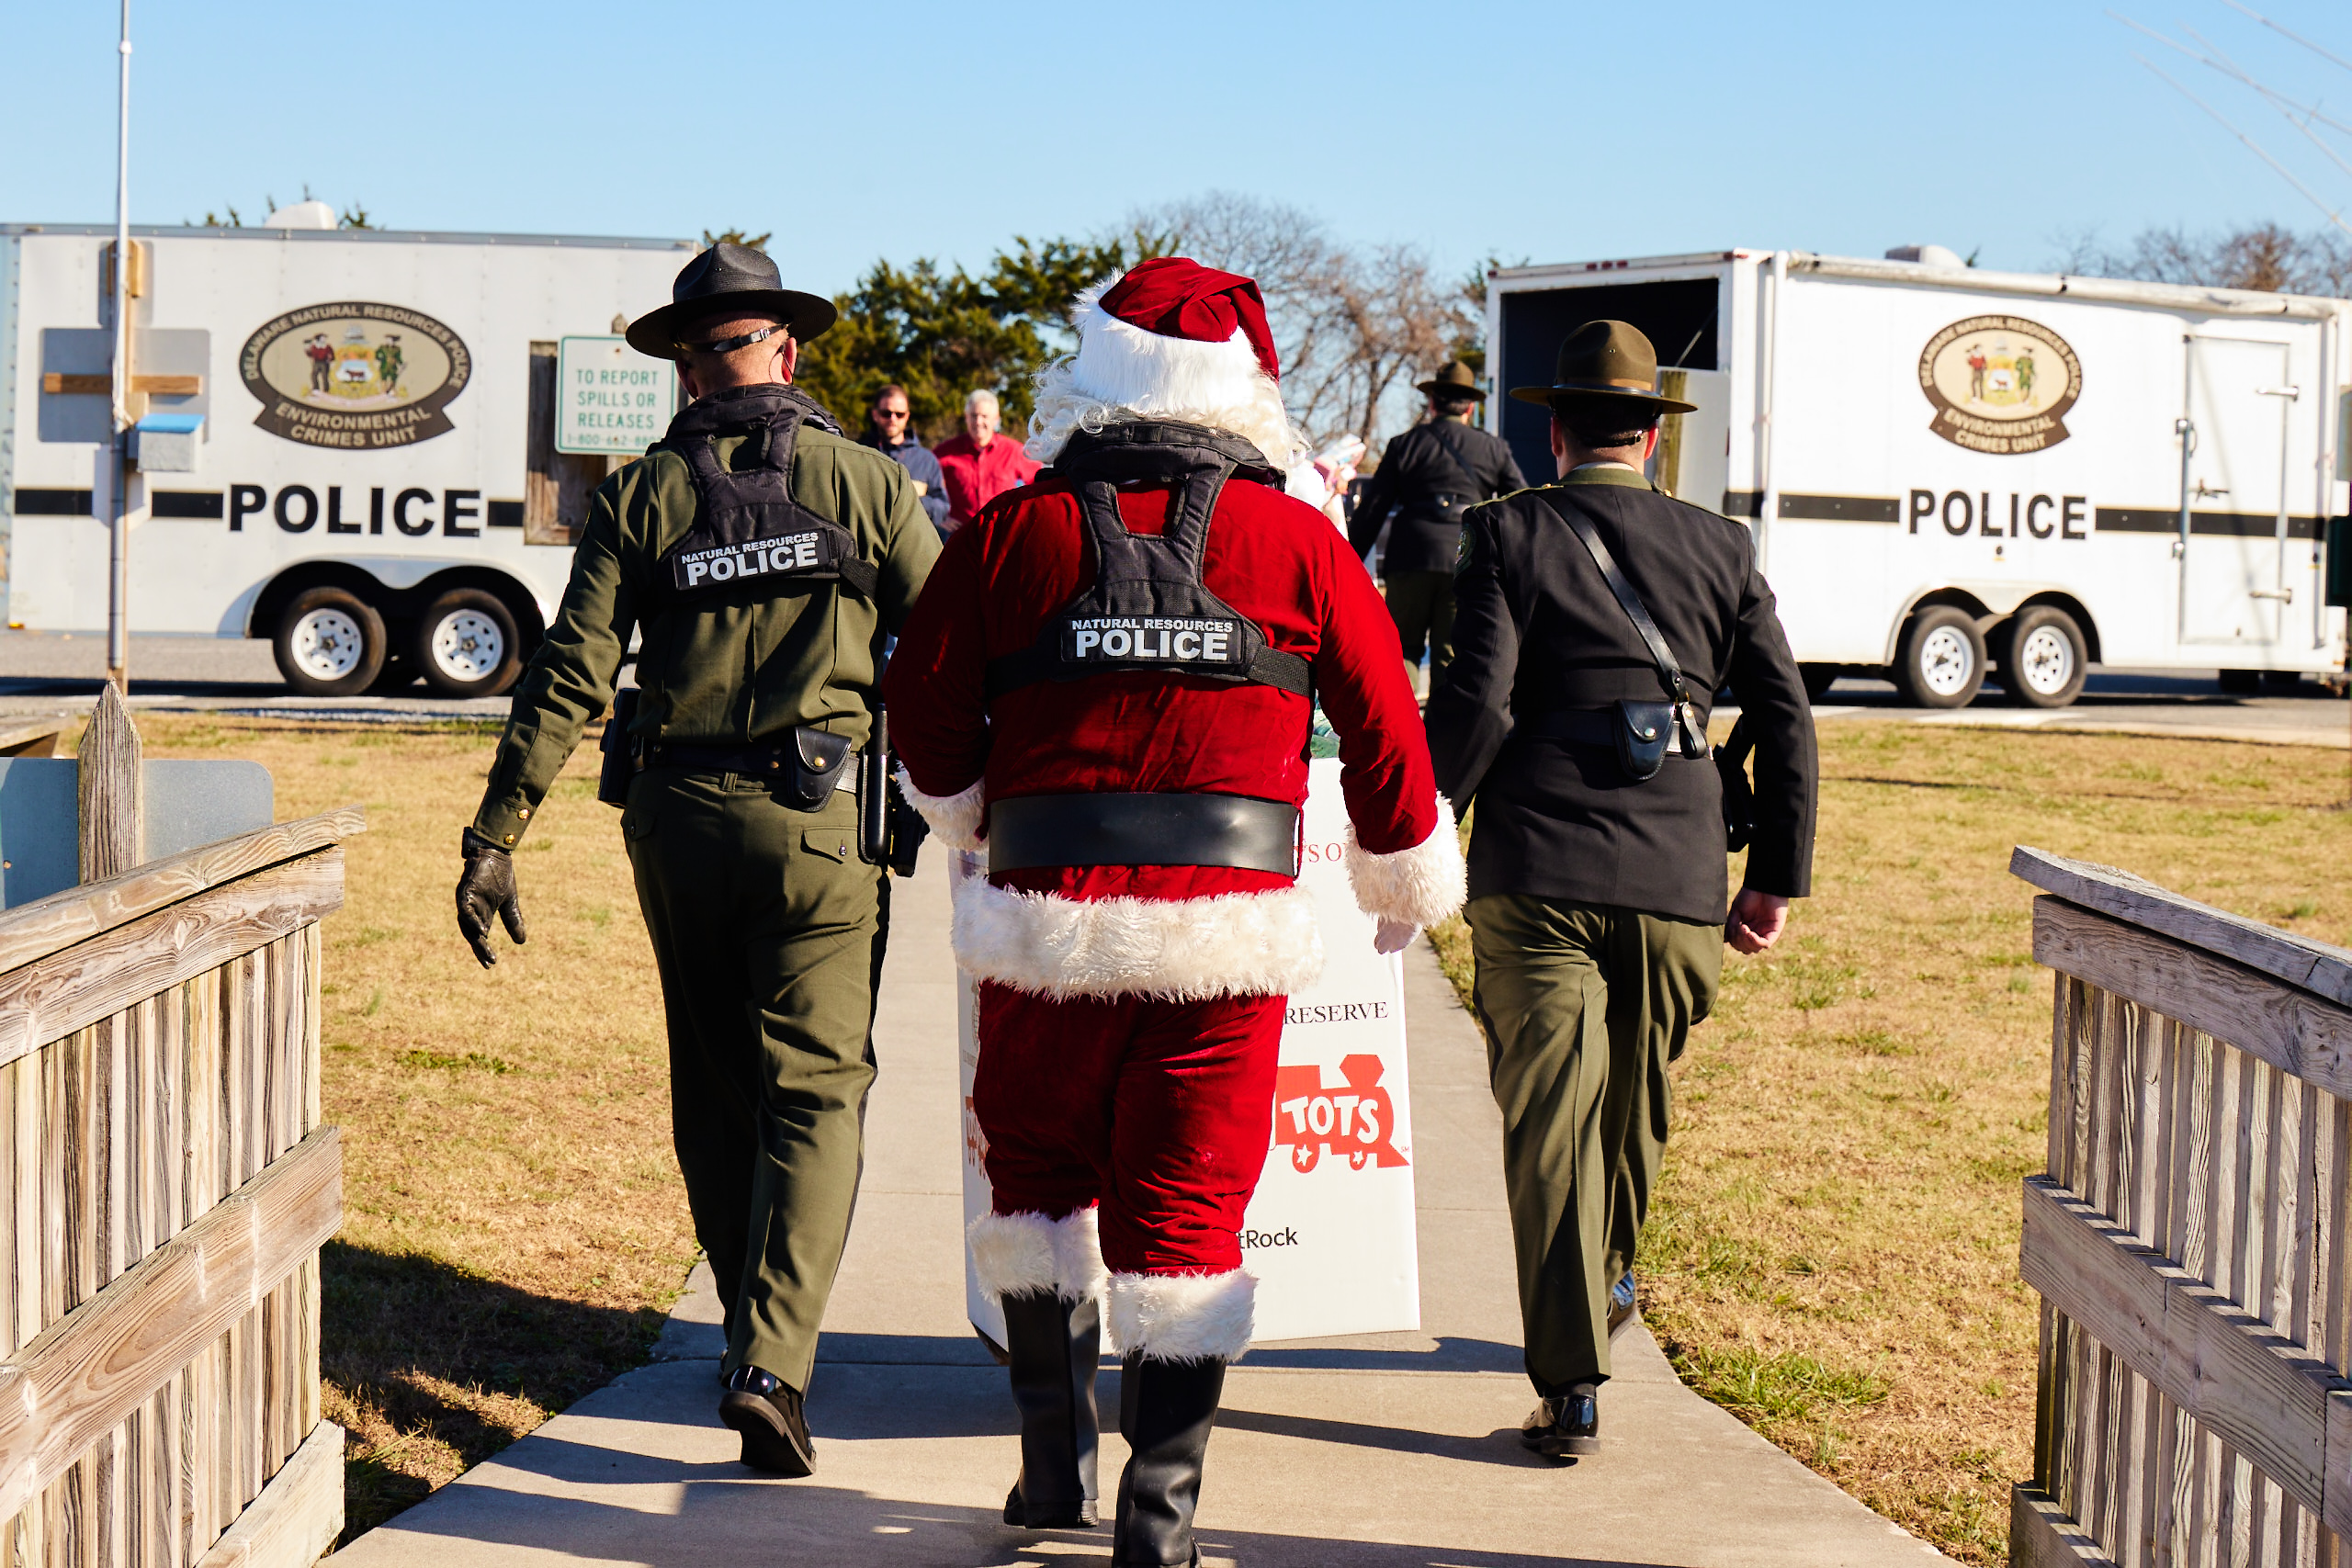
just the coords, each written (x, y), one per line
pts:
(1161, 1112)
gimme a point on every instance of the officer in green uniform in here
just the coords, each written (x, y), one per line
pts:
(1598, 619)
(766, 559)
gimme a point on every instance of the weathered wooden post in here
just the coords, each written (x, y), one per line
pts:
(110, 766)
(164, 1182)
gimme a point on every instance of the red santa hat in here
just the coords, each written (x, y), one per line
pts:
(1174, 337)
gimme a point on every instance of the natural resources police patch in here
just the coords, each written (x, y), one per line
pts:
(354, 375)
(2000, 384)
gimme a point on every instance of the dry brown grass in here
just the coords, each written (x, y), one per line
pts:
(1832, 1254)
(514, 1227)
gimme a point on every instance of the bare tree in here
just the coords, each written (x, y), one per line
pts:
(2265, 256)
(1353, 327)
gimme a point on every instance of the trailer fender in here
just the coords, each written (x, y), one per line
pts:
(1991, 604)
(398, 586)
(1924, 598)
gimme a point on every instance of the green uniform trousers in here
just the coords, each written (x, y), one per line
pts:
(1421, 603)
(1585, 1005)
(769, 933)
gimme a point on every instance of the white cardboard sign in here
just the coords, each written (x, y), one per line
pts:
(1329, 1234)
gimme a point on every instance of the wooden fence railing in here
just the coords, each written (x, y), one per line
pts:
(2189, 1238)
(165, 1188)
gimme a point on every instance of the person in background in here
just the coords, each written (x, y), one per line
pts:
(1425, 478)
(888, 432)
(980, 463)
(1597, 878)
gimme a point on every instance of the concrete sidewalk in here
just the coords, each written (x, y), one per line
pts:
(1391, 1450)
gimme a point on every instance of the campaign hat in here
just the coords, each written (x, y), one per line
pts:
(1605, 362)
(728, 279)
(1454, 379)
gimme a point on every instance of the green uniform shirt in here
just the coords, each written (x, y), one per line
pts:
(730, 669)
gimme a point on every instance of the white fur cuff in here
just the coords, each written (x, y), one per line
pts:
(1235, 944)
(1183, 1317)
(955, 819)
(1420, 886)
(1020, 1254)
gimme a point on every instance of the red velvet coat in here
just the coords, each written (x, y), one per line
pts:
(1159, 930)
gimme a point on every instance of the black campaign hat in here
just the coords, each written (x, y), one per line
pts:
(1606, 362)
(728, 279)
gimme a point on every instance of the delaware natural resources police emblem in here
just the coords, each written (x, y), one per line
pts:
(2000, 384)
(354, 375)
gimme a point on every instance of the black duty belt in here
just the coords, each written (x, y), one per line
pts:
(753, 761)
(1235, 830)
(1596, 726)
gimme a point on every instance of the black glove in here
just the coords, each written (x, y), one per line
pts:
(486, 887)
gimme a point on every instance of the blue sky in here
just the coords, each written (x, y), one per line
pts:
(1544, 131)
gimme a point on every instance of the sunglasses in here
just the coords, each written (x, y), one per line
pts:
(890, 413)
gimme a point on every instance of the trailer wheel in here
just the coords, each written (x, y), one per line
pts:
(1943, 659)
(466, 645)
(2042, 659)
(330, 643)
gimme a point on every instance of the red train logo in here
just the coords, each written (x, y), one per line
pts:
(1353, 1117)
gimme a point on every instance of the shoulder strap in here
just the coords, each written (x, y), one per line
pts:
(1669, 672)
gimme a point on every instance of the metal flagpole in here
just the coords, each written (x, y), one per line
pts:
(118, 537)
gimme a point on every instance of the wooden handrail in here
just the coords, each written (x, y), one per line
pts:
(46, 925)
(51, 997)
(2316, 966)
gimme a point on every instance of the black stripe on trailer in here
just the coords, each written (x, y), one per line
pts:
(196, 503)
(1818, 508)
(52, 504)
(2222, 524)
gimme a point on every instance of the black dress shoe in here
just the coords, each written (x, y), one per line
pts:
(766, 1411)
(1563, 1427)
(1620, 1302)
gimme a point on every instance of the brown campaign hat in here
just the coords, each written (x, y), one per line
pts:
(1605, 362)
(728, 279)
(1454, 378)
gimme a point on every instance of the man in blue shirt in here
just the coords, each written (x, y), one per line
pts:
(886, 433)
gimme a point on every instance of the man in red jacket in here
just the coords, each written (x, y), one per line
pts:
(1109, 682)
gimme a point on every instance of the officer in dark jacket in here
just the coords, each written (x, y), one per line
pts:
(1596, 894)
(765, 558)
(1425, 480)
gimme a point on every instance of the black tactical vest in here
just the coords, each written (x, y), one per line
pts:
(747, 527)
(1147, 609)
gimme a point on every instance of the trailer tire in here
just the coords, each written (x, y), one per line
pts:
(330, 643)
(1942, 664)
(466, 644)
(2043, 659)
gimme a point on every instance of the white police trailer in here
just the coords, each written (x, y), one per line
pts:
(1951, 470)
(372, 447)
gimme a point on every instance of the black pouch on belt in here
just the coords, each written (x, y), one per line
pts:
(818, 760)
(620, 753)
(1645, 730)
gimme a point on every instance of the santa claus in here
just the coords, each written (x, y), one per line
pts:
(1108, 684)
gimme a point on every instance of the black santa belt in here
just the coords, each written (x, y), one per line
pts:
(1237, 831)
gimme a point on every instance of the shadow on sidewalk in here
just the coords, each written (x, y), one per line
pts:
(717, 1513)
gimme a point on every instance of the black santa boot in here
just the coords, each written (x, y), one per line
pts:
(1166, 1409)
(1054, 1346)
